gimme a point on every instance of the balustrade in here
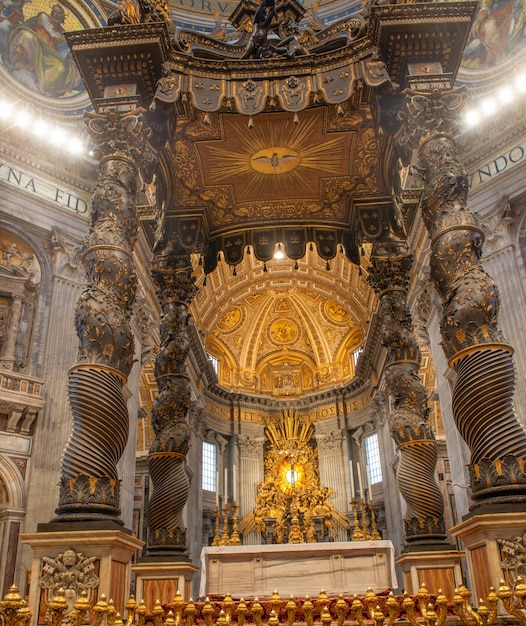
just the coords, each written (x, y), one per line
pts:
(422, 609)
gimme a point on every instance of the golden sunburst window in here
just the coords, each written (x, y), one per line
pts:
(291, 476)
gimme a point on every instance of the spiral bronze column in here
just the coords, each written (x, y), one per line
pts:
(483, 391)
(89, 484)
(175, 285)
(415, 441)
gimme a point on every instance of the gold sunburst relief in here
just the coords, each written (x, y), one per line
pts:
(291, 505)
(276, 159)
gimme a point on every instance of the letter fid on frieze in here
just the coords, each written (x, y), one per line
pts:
(41, 188)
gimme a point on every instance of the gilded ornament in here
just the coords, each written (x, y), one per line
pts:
(230, 319)
(291, 505)
(284, 331)
(336, 313)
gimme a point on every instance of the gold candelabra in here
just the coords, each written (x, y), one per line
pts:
(222, 538)
(217, 536)
(362, 532)
(234, 537)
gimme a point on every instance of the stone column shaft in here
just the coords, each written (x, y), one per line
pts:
(175, 286)
(332, 472)
(483, 391)
(424, 519)
(251, 472)
(90, 486)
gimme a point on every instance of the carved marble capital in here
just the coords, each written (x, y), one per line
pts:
(250, 448)
(330, 443)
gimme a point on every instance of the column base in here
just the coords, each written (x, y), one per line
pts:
(437, 569)
(481, 535)
(159, 578)
(107, 555)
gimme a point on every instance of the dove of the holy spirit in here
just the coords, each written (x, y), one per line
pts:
(275, 160)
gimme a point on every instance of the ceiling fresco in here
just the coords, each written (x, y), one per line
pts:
(35, 61)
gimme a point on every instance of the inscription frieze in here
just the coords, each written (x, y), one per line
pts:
(44, 189)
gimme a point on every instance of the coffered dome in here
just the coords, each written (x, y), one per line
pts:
(280, 331)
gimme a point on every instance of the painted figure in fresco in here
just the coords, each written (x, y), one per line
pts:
(36, 53)
(11, 13)
(498, 28)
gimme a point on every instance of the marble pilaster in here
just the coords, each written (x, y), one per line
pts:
(333, 472)
(250, 451)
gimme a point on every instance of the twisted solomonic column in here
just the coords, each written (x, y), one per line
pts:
(175, 286)
(408, 419)
(89, 484)
(483, 391)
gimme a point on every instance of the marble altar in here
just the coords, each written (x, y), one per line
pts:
(298, 569)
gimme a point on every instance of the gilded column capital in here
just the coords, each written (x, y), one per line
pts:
(389, 270)
(427, 115)
(118, 134)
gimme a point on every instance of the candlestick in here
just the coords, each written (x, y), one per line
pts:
(360, 484)
(234, 537)
(217, 490)
(234, 480)
(365, 531)
(226, 485)
(375, 535)
(217, 535)
(369, 490)
(225, 539)
(351, 474)
(357, 532)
